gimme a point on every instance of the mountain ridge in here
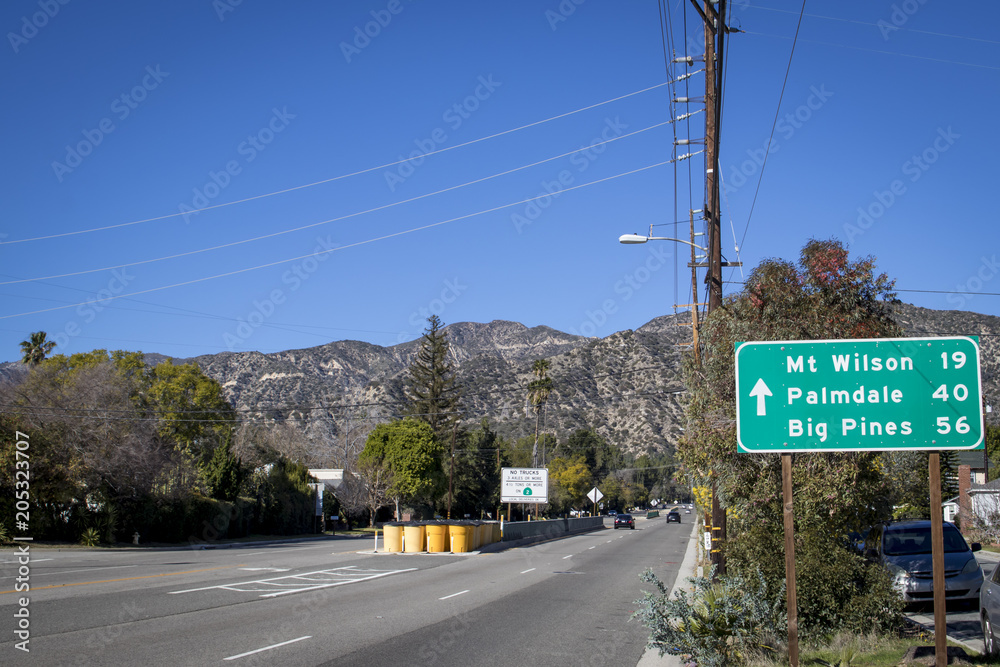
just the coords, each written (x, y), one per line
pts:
(626, 386)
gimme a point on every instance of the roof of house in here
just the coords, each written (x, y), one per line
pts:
(975, 458)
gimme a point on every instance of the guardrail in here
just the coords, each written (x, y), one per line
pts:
(550, 528)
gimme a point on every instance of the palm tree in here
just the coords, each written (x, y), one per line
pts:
(35, 348)
(538, 394)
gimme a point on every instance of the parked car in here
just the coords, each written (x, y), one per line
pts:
(624, 520)
(989, 611)
(904, 548)
(673, 516)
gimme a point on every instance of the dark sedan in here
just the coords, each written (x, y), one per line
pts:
(673, 516)
(624, 521)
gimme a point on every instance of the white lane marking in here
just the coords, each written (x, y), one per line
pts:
(295, 582)
(32, 560)
(528, 570)
(267, 648)
(569, 556)
(589, 548)
(266, 569)
(454, 594)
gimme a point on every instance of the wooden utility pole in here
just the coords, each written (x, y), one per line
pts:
(790, 593)
(451, 467)
(713, 28)
(937, 561)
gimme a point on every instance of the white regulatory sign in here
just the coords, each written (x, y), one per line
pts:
(524, 485)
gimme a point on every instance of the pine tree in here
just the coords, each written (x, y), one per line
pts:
(434, 397)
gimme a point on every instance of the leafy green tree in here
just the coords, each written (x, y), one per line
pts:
(601, 457)
(993, 450)
(193, 412)
(826, 296)
(434, 396)
(569, 482)
(476, 482)
(35, 348)
(408, 449)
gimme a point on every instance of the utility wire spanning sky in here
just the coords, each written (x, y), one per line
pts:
(194, 177)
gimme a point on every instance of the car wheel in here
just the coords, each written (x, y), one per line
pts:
(989, 641)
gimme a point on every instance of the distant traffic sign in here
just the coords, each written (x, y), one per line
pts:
(524, 485)
(859, 395)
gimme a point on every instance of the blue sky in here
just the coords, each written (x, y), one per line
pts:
(547, 128)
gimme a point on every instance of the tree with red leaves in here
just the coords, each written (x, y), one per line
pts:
(825, 296)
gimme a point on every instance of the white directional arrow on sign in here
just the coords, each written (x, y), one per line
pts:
(760, 390)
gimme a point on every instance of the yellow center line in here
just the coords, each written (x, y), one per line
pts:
(110, 581)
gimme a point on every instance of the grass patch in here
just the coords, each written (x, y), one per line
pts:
(867, 650)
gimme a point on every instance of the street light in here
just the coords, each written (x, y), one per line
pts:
(629, 239)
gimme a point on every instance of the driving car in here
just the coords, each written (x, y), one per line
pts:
(904, 548)
(673, 516)
(624, 520)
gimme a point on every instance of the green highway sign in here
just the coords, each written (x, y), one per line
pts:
(859, 395)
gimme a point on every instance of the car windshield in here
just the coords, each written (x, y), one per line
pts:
(904, 541)
(624, 517)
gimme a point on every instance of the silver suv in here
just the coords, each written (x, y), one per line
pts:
(904, 547)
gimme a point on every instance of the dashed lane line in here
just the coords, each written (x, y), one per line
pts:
(454, 594)
(267, 648)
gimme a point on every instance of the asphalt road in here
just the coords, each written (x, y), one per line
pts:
(963, 623)
(564, 602)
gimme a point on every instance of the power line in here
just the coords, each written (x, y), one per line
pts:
(336, 178)
(331, 220)
(384, 237)
(877, 25)
(774, 124)
(880, 51)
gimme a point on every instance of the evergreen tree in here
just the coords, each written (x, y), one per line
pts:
(434, 396)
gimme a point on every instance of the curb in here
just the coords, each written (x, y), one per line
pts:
(652, 657)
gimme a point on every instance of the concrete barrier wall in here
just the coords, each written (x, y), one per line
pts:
(519, 530)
